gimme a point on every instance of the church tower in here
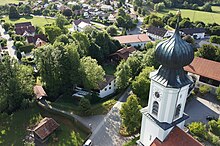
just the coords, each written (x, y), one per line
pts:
(168, 90)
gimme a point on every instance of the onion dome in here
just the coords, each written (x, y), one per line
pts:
(174, 52)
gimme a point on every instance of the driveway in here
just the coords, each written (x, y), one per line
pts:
(10, 43)
(198, 108)
(107, 132)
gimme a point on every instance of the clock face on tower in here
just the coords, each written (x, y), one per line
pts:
(157, 94)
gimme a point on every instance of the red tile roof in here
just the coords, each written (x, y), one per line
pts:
(22, 24)
(177, 137)
(204, 67)
(21, 30)
(39, 91)
(33, 39)
(124, 52)
(45, 127)
(137, 38)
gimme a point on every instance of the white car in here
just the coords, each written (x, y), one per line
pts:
(88, 143)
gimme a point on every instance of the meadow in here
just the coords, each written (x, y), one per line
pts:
(35, 20)
(207, 17)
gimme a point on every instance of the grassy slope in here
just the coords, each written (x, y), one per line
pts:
(36, 21)
(18, 122)
(207, 17)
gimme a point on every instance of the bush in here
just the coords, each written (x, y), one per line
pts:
(26, 48)
(218, 93)
(198, 129)
(3, 42)
(215, 39)
(215, 127)
(27, 60)
(85, 106)
(204, 89)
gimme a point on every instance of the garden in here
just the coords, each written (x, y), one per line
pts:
(13, 128)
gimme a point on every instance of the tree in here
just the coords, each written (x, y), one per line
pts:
(159, 7)
(218, 93)
(198, 129)
(91, 72)
(67, 12)
(122, 75)
(149, 58)
(85, 106)
(61, 21)
(13, 13)
(207, 7)
(112, 30)
(45, 1)
(16, 84)
(215, 39)
(189, 39)
(185, 23)
(130, 114)
(141, 84)
(52, 32)
(207, 51)
(215, 30)
(27, 10)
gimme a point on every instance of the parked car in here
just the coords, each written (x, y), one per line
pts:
(209, 118)
(88, 143)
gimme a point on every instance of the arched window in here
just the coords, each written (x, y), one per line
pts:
(155, 108)
(177, 113)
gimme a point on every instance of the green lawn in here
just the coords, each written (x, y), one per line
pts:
(36, 21)
(207, 17)
(3, 2)
(13, 128)
(69, 104)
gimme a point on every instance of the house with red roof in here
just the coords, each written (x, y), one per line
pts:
(44, 129)
(38, 40)
(25, 29)
(137, 40)
(204, 71)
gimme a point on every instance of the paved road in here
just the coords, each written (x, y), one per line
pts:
(10, 43)
(107, 132)
(198, 108)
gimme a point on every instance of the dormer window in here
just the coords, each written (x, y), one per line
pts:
(155, 108)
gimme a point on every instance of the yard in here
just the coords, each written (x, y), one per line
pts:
(35, 20)
(3, 2)
(13, 128)
(70, 104)
(207, 17)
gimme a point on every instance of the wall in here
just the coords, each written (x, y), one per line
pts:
(106, 91)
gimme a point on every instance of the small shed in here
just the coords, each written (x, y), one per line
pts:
(44, 129)
(39, 92)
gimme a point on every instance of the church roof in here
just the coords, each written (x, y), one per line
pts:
(177, 137)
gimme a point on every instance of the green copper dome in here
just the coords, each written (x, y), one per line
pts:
(174, 52)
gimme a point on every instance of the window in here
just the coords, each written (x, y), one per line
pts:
(105, 89)
(155, 108)
(109, 88)
(177, 113)
(109, 84)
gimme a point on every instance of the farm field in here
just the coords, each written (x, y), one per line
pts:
(35, 20)
(207, 17)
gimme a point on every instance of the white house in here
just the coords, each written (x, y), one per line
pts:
(107, 87)
(80, 24)
(196, 33)
(106, 8)
(137, 40)
(157, 33)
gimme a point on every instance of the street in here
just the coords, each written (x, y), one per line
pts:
(199, 108)
(107, 132)
(10, 43)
